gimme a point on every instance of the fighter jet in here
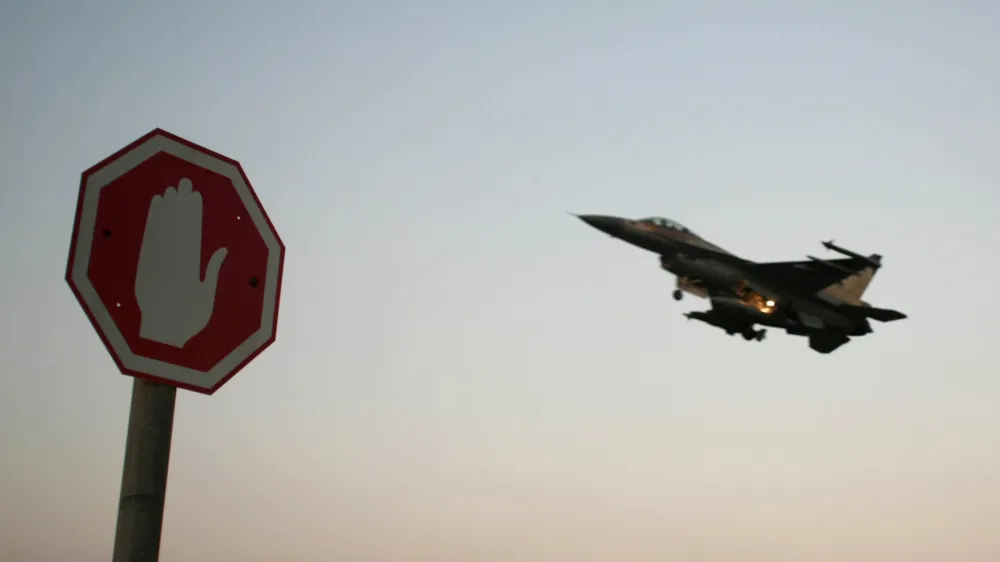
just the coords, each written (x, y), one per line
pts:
(816, 298)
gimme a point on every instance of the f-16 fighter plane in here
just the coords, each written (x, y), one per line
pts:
(817, 298)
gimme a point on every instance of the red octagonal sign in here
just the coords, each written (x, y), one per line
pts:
(175, 262)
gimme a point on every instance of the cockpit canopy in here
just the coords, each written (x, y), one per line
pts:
(667, 223)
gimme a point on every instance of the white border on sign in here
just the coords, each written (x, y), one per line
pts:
(85, 237)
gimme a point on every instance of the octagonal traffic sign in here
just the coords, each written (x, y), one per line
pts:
(175, 262)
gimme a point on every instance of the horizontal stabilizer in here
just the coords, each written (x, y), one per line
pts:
(880, 314)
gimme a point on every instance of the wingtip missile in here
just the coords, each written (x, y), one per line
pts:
(874, 261)
(830, 264)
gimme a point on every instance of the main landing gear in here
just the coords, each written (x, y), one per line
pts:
(678, 294)
(750, 334)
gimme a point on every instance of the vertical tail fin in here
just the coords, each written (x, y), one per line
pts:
(852, 288)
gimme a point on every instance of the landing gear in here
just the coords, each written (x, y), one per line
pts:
(678, 294)
(750, 334)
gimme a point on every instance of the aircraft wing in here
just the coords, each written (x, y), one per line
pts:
(809, 277)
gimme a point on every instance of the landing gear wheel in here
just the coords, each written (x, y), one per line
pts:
(761, 334)
(750, 334)
(678, 294)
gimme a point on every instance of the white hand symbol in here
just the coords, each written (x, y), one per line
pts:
(174, 301)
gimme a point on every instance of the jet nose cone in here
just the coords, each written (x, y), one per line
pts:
(604, 223)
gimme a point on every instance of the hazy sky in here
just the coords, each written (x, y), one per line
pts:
(465, 373)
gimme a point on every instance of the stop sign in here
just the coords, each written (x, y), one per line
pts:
(175, 262)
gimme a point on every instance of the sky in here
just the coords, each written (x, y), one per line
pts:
(463, 372)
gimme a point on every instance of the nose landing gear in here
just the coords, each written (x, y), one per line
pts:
(678, 294)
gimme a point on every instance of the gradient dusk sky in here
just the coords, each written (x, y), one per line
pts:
(465, 373)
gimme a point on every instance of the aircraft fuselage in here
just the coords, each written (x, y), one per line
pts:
(690, 256)
(799, 297)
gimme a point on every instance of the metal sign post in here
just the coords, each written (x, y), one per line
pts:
(144, 476)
